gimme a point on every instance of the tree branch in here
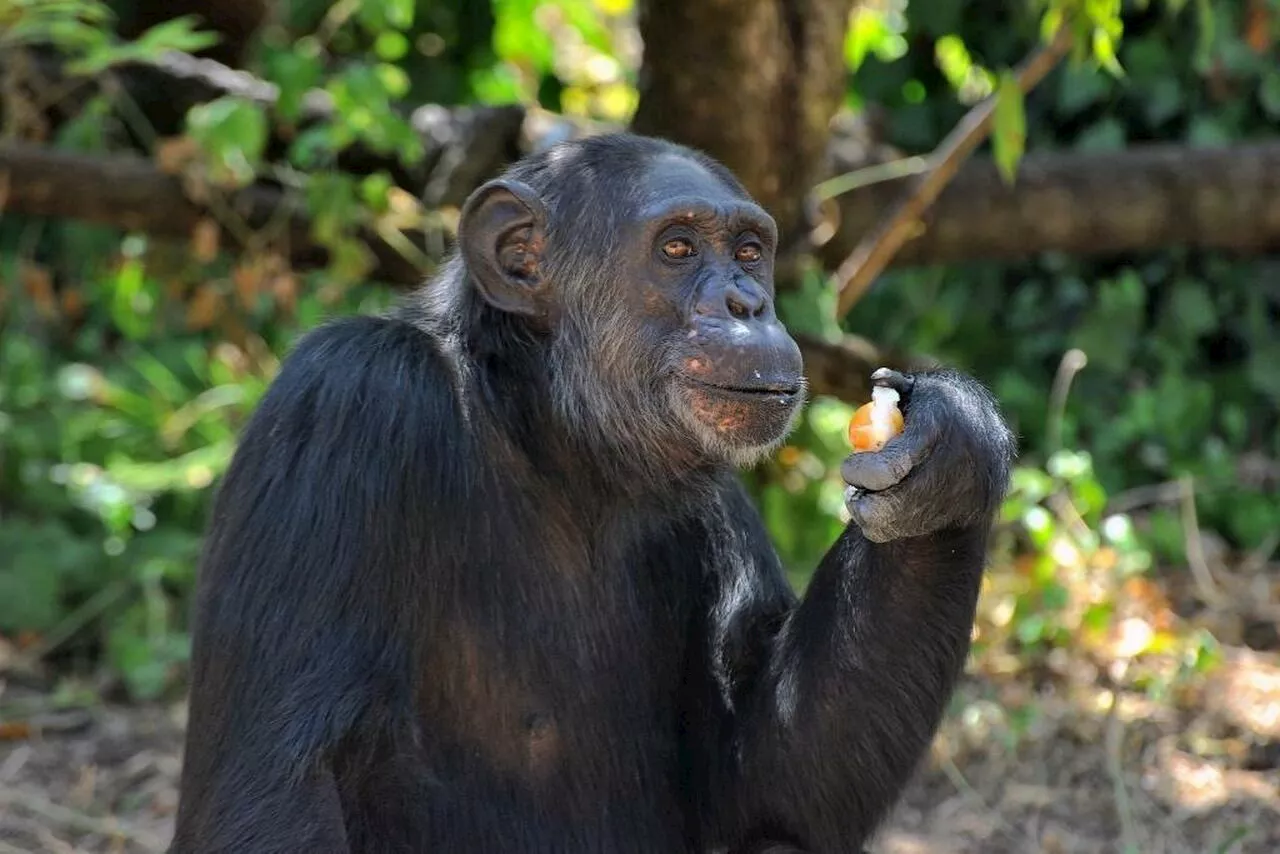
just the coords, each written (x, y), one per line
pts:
(1100, 204)
(856, 273)
(129, 193)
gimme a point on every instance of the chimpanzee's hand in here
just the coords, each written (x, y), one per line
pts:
(949, 467)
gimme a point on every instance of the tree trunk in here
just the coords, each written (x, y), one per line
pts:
(761, 102)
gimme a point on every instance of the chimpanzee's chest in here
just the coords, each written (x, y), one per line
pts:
(549, 700)
(562, 688)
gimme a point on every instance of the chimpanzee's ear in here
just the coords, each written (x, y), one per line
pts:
(502, 233)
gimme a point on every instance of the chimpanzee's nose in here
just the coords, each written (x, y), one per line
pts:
(745, 299)
(737, 298)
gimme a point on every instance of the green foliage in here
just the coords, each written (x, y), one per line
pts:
(81, 29)
(1180, 347)
(111, 440)
(233, 134)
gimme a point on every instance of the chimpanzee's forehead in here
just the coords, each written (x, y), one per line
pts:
(676, 176)
(676, 185)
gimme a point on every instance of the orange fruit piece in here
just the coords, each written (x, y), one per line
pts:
(875, 423)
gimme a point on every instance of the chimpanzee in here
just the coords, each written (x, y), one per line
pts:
(482, 578)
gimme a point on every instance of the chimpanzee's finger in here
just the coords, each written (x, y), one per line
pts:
(889, 378)
(877, 470)
(880, 517)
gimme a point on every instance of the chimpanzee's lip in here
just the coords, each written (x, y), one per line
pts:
(764, 388)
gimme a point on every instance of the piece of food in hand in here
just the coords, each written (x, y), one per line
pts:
(875, 423)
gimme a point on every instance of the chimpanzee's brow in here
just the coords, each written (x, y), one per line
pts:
(735, 212)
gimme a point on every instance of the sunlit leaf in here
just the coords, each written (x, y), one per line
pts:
(295, 72)
(233, 132)
(391, 45)
(953, 59)
(1009, 127)
(869, 33)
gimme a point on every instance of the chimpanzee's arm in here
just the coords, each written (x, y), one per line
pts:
(824, 708)
(306, 591)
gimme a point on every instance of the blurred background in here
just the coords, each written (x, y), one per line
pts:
(187, 185)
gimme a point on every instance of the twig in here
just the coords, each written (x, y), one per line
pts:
(962, 784)
(1073, 362)
(9, 770)
(1144, 496)
(856, 179)
(873, 253)
(1257, 559)
(74, 622)
(1115, 770)
(1200, 571)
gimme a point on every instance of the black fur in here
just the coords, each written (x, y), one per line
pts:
(442, 609)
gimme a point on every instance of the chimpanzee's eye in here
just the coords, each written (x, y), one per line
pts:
(677, 247)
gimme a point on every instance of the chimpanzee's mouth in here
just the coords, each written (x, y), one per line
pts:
(764, 389)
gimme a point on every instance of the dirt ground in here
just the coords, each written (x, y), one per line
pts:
(1140, 779)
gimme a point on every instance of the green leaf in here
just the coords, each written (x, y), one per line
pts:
(128, 299)
(1097, 616)
(1208, 132)
(295, 72)
(391, 45)
(1263, 369)
(313, 148)
(1269, 94)
(376, 16)
(1108, 134)
(1081, 87)
(1104, 50)
(331, 200)
(1163, 100)
(1055, 597)
(399, 13)
(374, 189)
(1191, 312)
(176, 34)
(233, 132)
(952, 58)
(1207, 32)
(1110, 331)
(393, 79)
(1009, 127)
(1031, 629)
(1050, 23)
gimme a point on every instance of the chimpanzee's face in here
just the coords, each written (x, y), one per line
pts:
(703, 287)
(655, 289)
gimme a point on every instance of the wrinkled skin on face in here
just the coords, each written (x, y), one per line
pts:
(658, 311)
(703, 286)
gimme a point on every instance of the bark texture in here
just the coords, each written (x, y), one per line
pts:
(1139, 199)
(130, 193)
(753, 83)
